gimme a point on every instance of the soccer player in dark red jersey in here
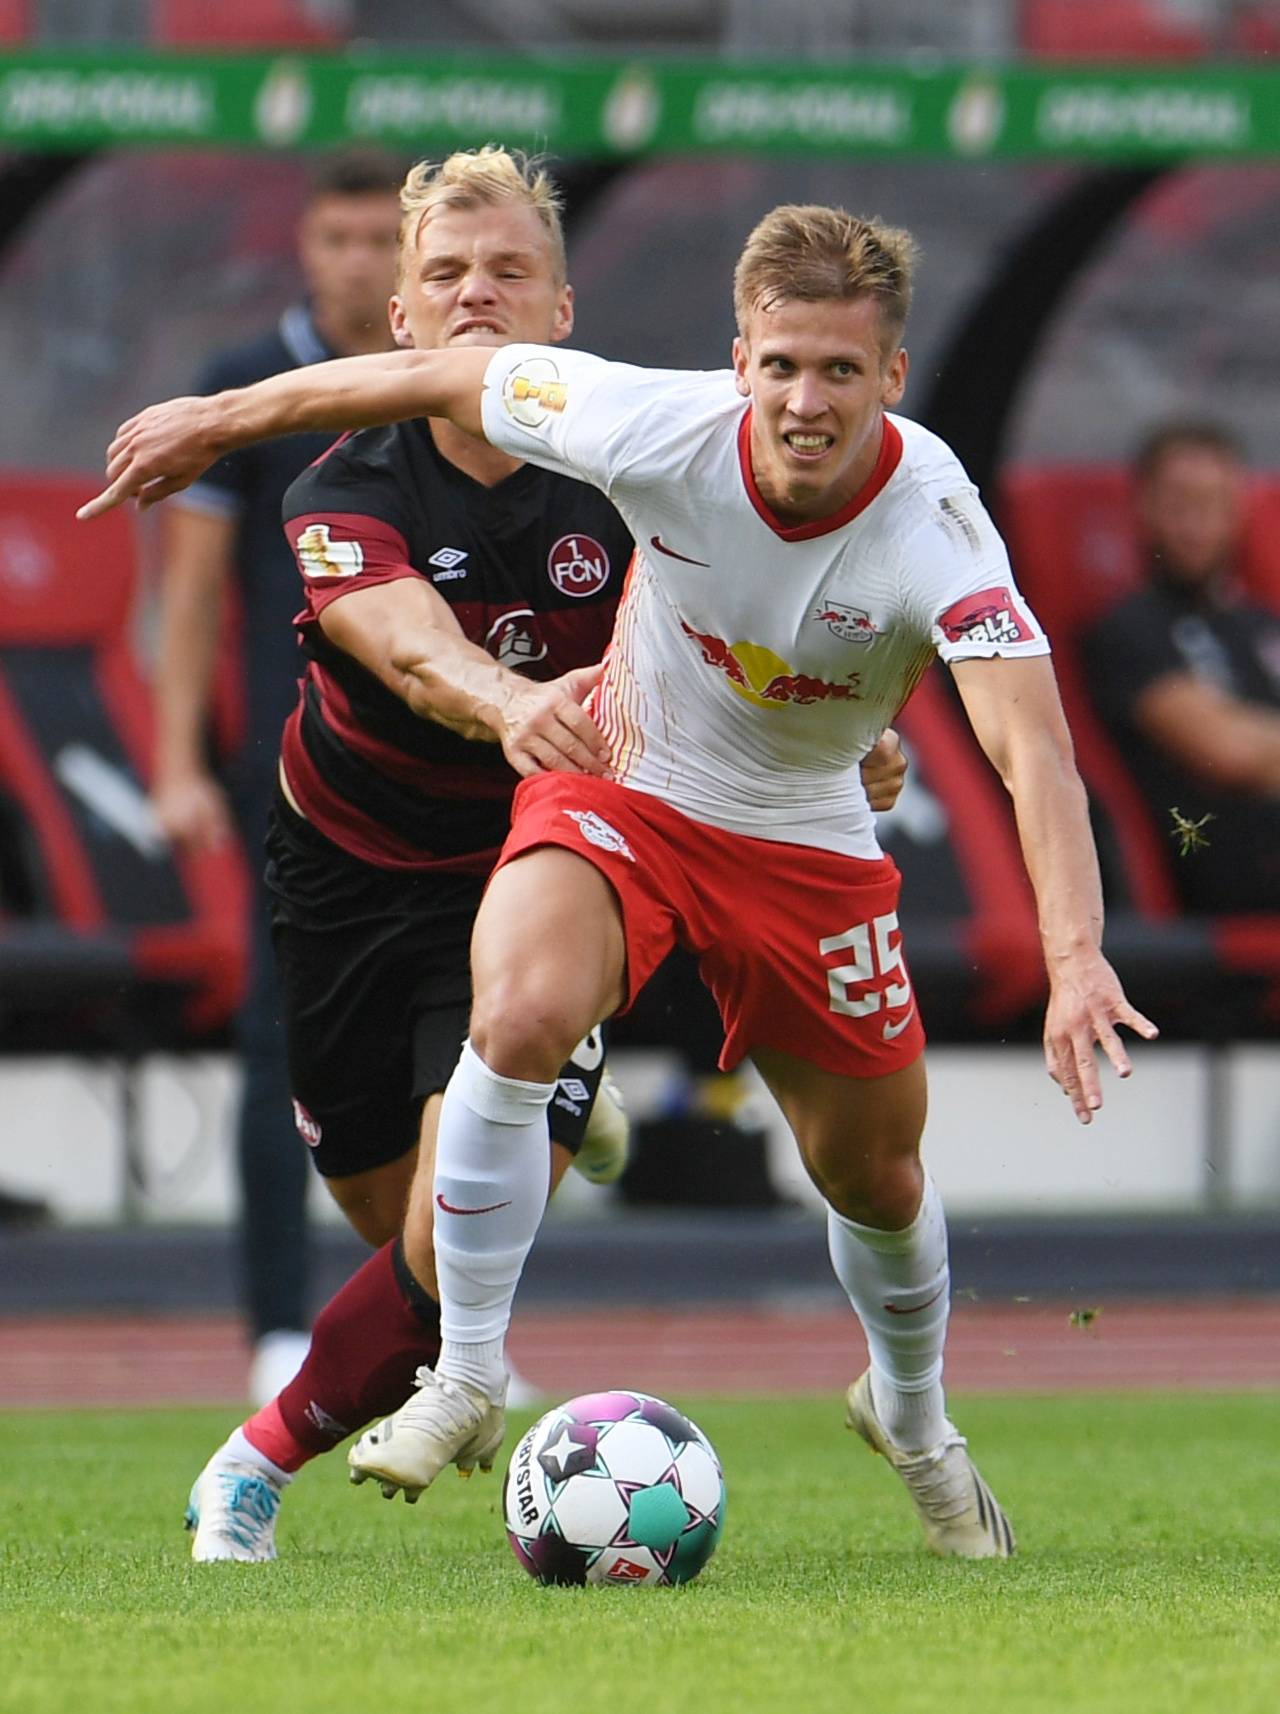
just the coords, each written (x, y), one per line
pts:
(457, 601)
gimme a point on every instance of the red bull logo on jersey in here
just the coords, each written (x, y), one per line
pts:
(850, 624)
(990, 616)
(764, 679)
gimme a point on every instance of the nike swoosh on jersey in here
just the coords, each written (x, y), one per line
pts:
(671, 553)
(916, 1308)
(891, 1030)
(450, 1209)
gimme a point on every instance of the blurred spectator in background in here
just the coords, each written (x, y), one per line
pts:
(225, 532)
(1186, 673)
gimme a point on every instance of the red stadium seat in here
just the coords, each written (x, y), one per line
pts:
(1109, 29)
(246, 24)
(85, 862)
(15, 20)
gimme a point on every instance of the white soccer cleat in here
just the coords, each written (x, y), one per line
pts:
(444, 1422)
(959, 1514)
(602, 1159)
(232, 1510)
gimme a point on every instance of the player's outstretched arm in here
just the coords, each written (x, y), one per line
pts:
(407, 636)
(1014, 709)
(165, 447)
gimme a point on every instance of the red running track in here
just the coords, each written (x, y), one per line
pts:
(1020, 1347)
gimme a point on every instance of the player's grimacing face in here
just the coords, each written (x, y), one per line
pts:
(480, 276)
(818, 377)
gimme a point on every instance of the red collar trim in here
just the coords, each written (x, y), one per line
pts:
(887, 462)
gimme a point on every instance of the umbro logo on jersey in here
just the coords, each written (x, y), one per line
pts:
(596, 831)
(450, 562)
(657, 542)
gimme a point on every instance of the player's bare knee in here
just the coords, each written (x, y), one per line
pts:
(521, 1030)
(881, 1193)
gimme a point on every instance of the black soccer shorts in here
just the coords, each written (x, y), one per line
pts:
(375, 985)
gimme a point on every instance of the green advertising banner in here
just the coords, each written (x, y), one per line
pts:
(595, 107)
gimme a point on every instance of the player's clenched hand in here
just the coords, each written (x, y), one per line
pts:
(1086, 1003)
(160, 451)
(884, 769)
(546, 728)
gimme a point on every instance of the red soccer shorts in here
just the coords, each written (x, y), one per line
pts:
(800, 947)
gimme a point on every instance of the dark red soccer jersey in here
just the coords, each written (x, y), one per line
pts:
(533, 570)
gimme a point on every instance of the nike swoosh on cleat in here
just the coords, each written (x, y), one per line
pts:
(916, 1308)
(450, 1209)
(891, 1030)
(671, 553)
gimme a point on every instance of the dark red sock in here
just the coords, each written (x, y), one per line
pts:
(366, 1347)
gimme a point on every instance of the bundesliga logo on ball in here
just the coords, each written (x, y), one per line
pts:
(614, 1487)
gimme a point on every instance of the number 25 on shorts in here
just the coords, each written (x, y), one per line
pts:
(873, 957)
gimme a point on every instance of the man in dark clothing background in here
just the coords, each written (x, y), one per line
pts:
(1186, 673)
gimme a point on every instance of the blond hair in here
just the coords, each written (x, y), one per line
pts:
(476, 178)
(805, 253)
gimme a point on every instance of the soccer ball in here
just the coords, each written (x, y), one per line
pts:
(614, 1488)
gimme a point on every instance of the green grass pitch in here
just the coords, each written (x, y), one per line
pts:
(1149, 1579)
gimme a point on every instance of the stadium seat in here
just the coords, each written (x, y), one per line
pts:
(1071, 537)
(247, 23)
(15, 20)
(1110, 29)
(971, 934)
(94, 904)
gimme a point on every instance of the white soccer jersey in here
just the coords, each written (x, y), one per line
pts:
(753, 665)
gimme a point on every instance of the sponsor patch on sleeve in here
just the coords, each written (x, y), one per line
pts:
(320, 556)
(990, 616)
(533, 391)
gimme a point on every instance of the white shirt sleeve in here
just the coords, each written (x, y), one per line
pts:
(959, 580)
(621, 428)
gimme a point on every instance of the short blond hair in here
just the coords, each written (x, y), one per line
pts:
(476, 178)
(806, 253)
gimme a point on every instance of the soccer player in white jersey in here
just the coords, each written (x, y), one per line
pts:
(803, 554)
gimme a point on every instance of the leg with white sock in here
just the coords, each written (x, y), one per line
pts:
(548, 962)
(899, 1284)
(860, 1141)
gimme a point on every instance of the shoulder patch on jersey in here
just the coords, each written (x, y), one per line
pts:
(989, 616)
(533, 391)
(320, 556)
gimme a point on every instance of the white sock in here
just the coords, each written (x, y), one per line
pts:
(899, 1283)
(492, 1176)
(244, 1451)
